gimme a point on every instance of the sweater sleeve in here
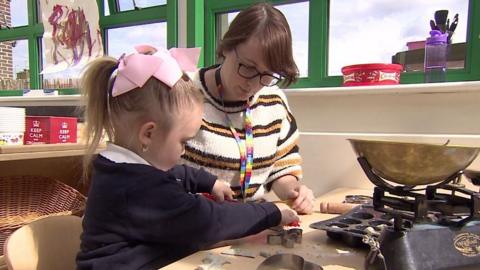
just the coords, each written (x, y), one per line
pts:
(194, 180)
(172, 216)
(287, 159)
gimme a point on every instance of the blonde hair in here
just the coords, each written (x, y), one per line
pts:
(106, 115)
(270, 26)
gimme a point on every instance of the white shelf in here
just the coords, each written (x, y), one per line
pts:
(62, 100)
(423, 88)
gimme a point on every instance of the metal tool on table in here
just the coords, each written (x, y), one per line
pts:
(287, 261)
(287, 238)
(237, 251)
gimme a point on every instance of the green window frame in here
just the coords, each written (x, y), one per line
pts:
(31, 32)
(318, 58)
(195, 27)
(166, 13)
(34, 30)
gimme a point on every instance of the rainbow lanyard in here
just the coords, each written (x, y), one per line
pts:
(245, 146)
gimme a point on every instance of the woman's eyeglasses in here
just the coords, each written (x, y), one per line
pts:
(251, 72)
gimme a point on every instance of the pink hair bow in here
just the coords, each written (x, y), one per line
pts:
(167, 66)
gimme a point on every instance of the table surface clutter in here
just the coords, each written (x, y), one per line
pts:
(314, 250)
(315, 247)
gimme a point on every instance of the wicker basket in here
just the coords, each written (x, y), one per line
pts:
(24, 199)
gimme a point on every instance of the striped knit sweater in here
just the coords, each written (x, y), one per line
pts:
(275, 134)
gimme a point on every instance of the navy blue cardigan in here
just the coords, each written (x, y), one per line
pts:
(139, 217)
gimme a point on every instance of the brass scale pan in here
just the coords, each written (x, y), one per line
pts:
(414, 164)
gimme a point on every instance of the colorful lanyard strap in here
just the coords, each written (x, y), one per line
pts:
(245, 146)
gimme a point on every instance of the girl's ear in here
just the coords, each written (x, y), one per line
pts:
(145, 133)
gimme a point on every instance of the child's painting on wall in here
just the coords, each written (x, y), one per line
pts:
(72, 34)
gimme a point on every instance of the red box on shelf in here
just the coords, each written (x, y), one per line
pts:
(50, 129)
(371, 74)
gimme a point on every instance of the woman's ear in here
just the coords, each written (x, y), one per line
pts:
(145, 134)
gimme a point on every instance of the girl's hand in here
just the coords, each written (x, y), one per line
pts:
(288, 215)
(221, 191)
(301, 197)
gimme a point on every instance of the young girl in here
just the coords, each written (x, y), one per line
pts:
(143, 211)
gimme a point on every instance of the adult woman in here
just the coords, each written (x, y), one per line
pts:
(248, 135)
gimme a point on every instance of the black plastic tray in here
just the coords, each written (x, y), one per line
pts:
(350, 227)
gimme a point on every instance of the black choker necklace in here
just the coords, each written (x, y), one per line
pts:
(218, 82)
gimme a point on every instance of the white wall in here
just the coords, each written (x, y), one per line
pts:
(415, 113)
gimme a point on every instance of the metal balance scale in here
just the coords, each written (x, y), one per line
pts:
(436, 220)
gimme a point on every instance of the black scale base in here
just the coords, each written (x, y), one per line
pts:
(431, 247)
(443, 219)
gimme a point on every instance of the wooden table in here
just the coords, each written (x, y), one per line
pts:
(316, 247)
(3, 264)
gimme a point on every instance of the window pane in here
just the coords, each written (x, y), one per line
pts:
(131, 4)
(376, 30)
(121, 40)
(13, 13)
(14, 68)
(106, 8)
(297, 16)
(68, 78)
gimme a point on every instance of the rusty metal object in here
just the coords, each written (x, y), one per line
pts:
(414, 163)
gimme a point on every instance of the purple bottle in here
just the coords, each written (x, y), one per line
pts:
(436, 57)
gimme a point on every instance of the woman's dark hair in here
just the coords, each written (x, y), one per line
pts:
(270, 26)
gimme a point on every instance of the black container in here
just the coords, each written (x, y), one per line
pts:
(350, 227)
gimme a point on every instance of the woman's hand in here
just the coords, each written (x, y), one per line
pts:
(304, 202)
(288, 188)
(221, 191)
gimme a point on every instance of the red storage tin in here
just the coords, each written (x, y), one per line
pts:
(50, 129)
(371, 74)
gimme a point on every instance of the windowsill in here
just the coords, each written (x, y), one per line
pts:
(36, 151)
(423, 88)
(60, 100)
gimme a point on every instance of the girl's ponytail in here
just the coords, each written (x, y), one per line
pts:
(95, 87)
